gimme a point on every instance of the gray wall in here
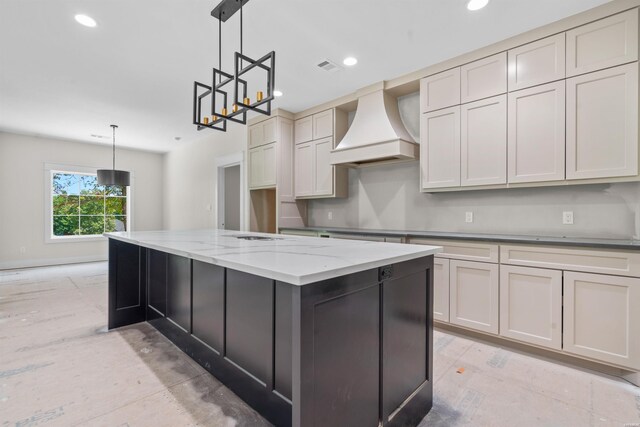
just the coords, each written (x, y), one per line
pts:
(388, 197)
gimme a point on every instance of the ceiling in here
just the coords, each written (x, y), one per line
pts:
(137, 67)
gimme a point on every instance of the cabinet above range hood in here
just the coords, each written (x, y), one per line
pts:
(377, 134)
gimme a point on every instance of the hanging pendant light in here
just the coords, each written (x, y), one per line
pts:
(113, 176)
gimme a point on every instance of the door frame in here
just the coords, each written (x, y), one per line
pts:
(223, 162)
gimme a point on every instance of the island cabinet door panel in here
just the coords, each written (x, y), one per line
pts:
(208, 304)
(282, 340)
(157, 283)
(179, 291)
(441, 289)
(474, 295)
(127, 284)
(531, 305)
(483, 142)
(440, 148)
(602, 318)
(249, 324)
(602, 123)
(537, 133)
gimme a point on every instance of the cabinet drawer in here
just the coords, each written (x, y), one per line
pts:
(484, 78)
(362, 237)
(595, 261)
(441, 90)
(303, 130)
(462, 250)
(536, 63)
(602, 44)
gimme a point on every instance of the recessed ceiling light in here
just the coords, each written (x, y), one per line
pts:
(477, 4)
(350, 61)
(85, 20)
(277, 93)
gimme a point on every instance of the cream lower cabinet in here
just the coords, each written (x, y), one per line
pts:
(531, 305)
(602, 318)
(474, 295)
(441, 289)
(262, 166)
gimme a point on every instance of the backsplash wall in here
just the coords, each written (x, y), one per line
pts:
(388, 197)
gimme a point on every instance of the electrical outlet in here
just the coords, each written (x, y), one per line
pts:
(567, 217)
(329, 215)
(468, 217)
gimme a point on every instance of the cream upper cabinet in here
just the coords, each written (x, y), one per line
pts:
(262, 133)
(269, 132)
(602, 123)
(323, 124)
(536, 63)
(602, 44)
(440, 148)
(484, 78)
(531, 305)
(483, 146)
(262, 166)
(602, 318)
(441, 289)
(439, 91)
(536, 134)
(303, 130)
(322, 167)
(474, 295)
(269, 171)
(304, 169)
(256, 167)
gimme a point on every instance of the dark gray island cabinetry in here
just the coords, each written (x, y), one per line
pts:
(303, 334)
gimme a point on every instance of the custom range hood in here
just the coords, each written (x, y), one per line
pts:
(377, 134)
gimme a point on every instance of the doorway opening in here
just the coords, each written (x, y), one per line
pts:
(231, 192)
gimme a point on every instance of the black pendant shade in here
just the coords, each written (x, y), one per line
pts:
(114, 176)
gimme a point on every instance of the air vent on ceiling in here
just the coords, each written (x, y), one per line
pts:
(329, 66)
(93, 135)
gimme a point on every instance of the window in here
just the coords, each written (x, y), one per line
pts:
(80, 208)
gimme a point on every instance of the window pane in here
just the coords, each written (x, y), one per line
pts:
(115, 223)
(65, 183)
(91, 225)
(65, 205)
(116, 206)
(89, 185)
(66, 225)
(91, 205)
(116, 190)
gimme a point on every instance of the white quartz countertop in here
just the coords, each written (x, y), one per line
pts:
(293, 259)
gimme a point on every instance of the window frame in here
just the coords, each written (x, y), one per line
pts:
(49, 170)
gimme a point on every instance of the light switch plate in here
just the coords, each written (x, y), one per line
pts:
(567, 217)
(330, 215)
(468, 217)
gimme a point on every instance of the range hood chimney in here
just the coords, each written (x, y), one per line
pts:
(377, 134)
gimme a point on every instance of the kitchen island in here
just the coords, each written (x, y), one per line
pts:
(307, 331)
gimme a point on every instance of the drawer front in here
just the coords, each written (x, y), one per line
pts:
(462, 250)
(614, 262)
(357, 237)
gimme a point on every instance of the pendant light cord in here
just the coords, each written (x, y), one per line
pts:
(114, 145)
(219, 48)
(241, 3)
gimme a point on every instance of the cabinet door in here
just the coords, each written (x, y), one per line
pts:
(256, 135)
(483, 144)
(537, 133)
(474, 295)
(269, 169)
(322, 168)
(440, 148)
(304, 169)
(536, 63)
(441, 90)
(323, 124)
(269, 130)
(602, 318)
(484, 78)
(441, 289)
(256, 167)
(602, 44)
(303, 130)
(531, 305)
(602, 123)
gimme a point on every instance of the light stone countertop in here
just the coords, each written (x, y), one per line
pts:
(293, 259)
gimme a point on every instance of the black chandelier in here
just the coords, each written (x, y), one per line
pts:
(217, 95)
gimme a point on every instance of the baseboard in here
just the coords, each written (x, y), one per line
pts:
(43, 262)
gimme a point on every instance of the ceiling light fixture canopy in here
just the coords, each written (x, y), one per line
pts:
(350, 61)
(477, 4)
(217, 93)
(113, 176)
(85, 20)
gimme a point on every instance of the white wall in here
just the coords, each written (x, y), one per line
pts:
(22, 196)
(190, 193)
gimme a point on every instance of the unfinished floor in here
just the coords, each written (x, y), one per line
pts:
(60, 366)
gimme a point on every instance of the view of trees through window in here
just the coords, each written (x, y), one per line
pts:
(81, 207)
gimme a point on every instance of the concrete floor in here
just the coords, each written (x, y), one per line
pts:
(59, 366)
